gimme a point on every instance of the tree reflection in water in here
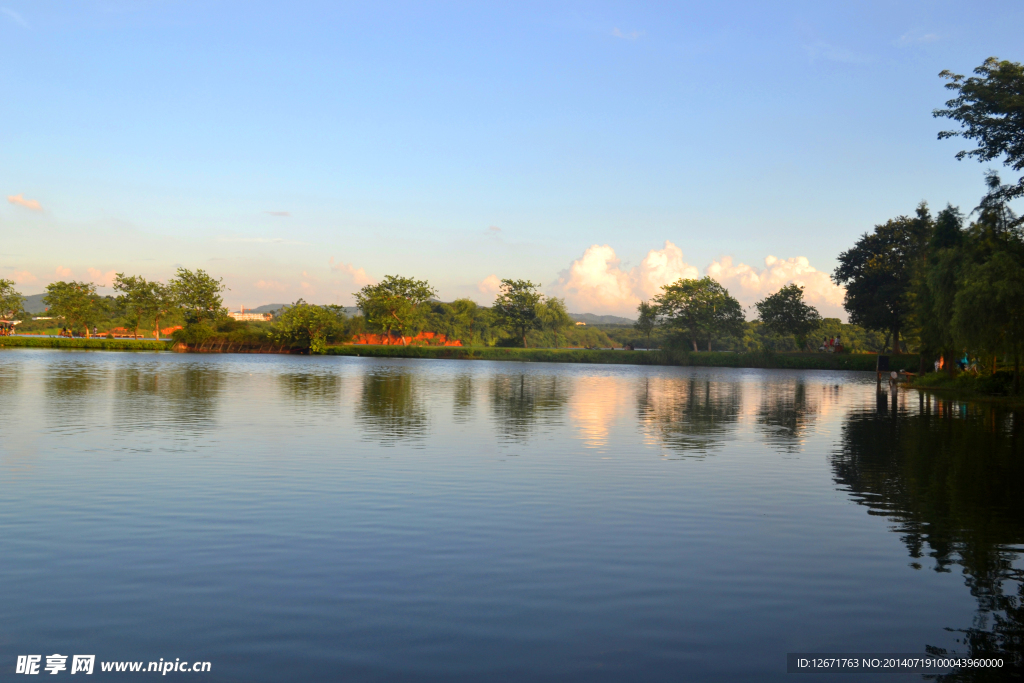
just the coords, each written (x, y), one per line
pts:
(952, 479)
(390, 409)
(11, 433)
(688, 415)
(520, 403)
(314, 387)
(194, 394)
(69, 387)
(10, 377)
(10, 380)
(143, 397)
(462, 402)
(314, 395)
(172, 396)
(787, 411)
(138, 405)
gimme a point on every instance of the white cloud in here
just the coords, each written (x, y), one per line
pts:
(102, 279)
(748, 284)
(23, 277)
(489, 286)
(357, 276)
(63, 272)
(660, 267)
(281, 214)
(597, 282)
(19, 200)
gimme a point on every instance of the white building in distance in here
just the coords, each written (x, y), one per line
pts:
(242, 315)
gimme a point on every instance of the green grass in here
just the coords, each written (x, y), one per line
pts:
(803, 361)
(799, 361)
(81, 343)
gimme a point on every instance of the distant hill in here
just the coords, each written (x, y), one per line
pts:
(34, 304)
(274, 308)
(591, 319)
(266, 308)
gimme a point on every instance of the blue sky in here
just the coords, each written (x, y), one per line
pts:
(303, 149)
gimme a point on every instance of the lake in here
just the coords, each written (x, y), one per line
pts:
(292, 518)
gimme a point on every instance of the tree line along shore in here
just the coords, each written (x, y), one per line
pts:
(399, 310)
(942, 294)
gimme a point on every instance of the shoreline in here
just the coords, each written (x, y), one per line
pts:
(726, 359)
(99, 344)
(959, 394)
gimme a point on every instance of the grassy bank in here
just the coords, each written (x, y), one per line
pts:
(757, 359)
(496, 353)
(997, 388)
(796, 361)
(80, 343)
(792, 361)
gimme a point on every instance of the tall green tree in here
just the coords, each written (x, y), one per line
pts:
(553, 315)
(310, 326)
(485, 329)
(455, 320)
(198, 294)
(472, 322)
(516, 307)
(136, 299)
(394, 304)
(11, 300)
(989, 107)
(464, 313)
(699, 310)
(164, 301)
(646, 320)
(962, 304)
(988, 312)
(878, 273)
(994, 209)
(554, 325)
(786, 312)
(937, 284)
(75, 302)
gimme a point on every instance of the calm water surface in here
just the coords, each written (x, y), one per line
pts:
(306, 519)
